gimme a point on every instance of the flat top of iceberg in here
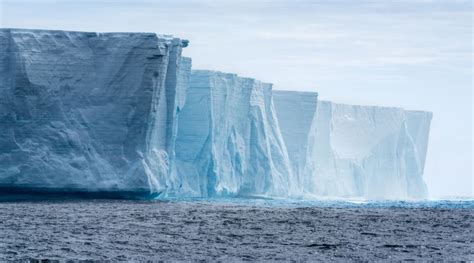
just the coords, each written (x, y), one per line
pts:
(306, 93)
(209, 73)
(373, 107)
(167, 37)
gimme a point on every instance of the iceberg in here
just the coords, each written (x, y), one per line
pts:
(88, 111)
(369, 151)
(124, 113)
(229, 142)
(355, 151)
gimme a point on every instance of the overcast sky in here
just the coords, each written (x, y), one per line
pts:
(415, 54)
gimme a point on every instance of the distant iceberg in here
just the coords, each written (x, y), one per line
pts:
(370, 152)
(124, 112)
(356, 151)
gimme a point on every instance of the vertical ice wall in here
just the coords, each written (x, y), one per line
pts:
(296, 111)
(342, 150)
(161, 155)
(370, 152)
(228, 142)
(418, 127)
(173, 180)
(86, 111)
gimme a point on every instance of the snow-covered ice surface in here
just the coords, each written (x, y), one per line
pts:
(87, 111)
(237, 230)
(229, 142)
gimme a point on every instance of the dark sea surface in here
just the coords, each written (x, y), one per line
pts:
(235, 229)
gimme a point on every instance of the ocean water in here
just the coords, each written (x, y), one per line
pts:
(465, 203)
(239, 229)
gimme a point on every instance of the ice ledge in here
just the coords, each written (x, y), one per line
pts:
(382, 107)
(169, 39)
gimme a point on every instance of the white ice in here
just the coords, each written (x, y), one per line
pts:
(229, 143)
(123, 112)
(86, 111)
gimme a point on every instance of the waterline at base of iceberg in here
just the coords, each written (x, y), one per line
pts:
(31, 195)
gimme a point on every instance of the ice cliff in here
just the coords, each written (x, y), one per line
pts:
(229, 142)
(88, 111)
(123, 112)
(296, 112)
(354, 151)
(370, 152)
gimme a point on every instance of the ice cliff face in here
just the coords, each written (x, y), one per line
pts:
(296, 112)
(229, 142)
(355, 151)
(88, 111)
(418, 128)
(370, 152)
(123, 112)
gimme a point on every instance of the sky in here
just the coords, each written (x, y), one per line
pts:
(415, 54)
